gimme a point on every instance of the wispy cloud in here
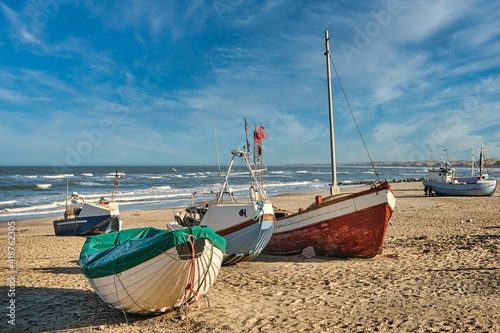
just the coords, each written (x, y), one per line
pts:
(20, 33)
(421, 76)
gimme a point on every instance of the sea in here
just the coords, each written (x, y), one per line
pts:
(32, 192)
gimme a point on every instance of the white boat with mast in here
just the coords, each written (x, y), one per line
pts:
(247, 226)
(344, 225)
(443, 181)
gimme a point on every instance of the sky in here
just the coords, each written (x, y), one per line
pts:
(132, 82)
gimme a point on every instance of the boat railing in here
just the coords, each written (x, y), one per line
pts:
(254, 181)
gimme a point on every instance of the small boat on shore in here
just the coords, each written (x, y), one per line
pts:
(151, 271)
(85, 218)
(247, 226)
(82, 218)
(342, 225)
(443, 181)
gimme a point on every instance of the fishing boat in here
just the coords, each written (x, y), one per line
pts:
(247, 226)
(82, 217)
(343, 225)
(443, 181)
(151, 271)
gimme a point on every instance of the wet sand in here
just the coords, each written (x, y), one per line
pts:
(436, 273)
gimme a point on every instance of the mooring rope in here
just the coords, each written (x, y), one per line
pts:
(354, 118)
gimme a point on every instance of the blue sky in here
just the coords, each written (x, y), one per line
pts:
(138, 82)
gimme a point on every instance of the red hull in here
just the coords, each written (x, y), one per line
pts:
(357, 234)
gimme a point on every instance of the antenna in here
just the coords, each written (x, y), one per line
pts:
(216, 149)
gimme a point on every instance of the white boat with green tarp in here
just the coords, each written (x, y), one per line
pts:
(151, 271)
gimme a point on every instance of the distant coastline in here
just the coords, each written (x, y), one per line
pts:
(492, 162)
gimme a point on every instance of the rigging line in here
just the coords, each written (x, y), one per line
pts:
(489, 166)
(354, 118)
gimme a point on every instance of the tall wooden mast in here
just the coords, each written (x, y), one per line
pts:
(334, 189)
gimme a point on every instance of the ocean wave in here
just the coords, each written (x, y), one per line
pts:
(166, 187)
(59, 176)
(35, 209)
(301, 171)
(286, 184)
(120, 199)
(44, 185)
(9, 202)
(87, 174)
(90, 184)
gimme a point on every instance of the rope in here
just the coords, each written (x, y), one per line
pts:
(189, 285)
(116, 292)
(489, 167)
(206, 272)
(355, 122)
(260, 210)
(129, 296)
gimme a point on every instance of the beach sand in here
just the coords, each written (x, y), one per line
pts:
(436, 273)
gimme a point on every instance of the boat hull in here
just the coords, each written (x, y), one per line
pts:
(246, 237)
(485, 188)
(352, 225)
(163, 282)
(93, 219)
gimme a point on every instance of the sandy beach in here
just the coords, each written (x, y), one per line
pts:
(438, 272)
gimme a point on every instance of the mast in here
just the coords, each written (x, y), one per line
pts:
(432, 162)
(473, 161)
(481, 162)
(334, 189)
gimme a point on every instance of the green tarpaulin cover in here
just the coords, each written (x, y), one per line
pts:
(112, 253)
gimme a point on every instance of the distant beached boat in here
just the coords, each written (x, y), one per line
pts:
(442, 181)
(82, 218)
(343, 225)
(151, 271)
(247, 226)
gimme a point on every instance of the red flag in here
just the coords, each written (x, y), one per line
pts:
(256, 137)
(262, 133)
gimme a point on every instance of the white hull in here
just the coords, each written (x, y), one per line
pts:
(94, 218)
(158, 285)
(480, 188)
(246, 237)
